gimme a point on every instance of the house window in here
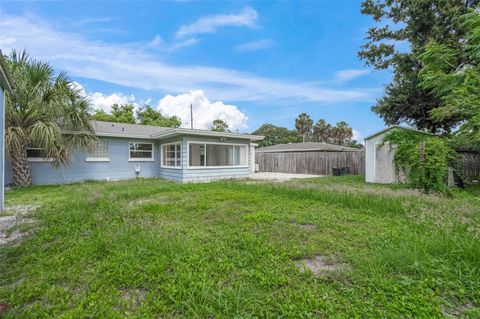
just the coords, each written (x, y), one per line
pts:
(36, 154)
(217, 155)
(172, 155)
(99, 152)
(141, 151)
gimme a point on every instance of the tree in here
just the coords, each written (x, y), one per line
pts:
(148, 116)
(416, 23)
(276, 135)
(303, 124)
(453, 75)
(120, 114)
(322, 131)
(342, 133)
(41, 107)
(355, 144)
(219, 125)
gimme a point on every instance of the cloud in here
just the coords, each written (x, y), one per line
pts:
(87, 21)
(101, 101)
(157, 42)
(204, 111)
(255, 45)
(349, 74)
(246, 18)
(357, 136)
(131, 65)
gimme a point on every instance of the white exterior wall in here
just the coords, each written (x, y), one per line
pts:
(379, 161)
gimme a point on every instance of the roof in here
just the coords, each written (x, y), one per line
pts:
(124, 129)
(113, 129)
(397, 127)
(306, 147)
(5, 81)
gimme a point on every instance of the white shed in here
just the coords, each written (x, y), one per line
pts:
(379, 158)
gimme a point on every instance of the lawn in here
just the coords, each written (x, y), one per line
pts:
(150, 248)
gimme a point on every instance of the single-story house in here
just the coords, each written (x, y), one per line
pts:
(380, 158)
(5, 85)
(316, 158)
(126, 151)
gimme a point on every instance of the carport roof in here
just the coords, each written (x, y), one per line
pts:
(306, 147)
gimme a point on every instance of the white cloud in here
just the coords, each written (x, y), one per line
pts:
(246, 18)
(101, 101)
(86, 21)
(255, 45)
(357, 136)
(204, 111)
(133, 66)
(349, 74)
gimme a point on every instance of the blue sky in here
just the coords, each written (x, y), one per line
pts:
(245, 62)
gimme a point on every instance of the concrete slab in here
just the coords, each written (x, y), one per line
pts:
(271, 176)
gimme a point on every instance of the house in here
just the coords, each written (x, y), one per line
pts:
(126, 151)
(5, 85)
(380, 158)
(309, 158)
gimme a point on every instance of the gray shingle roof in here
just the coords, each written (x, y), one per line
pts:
(306, 147)
(127, 130)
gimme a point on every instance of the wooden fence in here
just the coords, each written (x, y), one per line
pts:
(317, 163)
(470, 165)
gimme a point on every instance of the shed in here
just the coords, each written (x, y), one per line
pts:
(380, 156)
(309, 158)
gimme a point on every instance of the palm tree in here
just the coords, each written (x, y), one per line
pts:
(38, 113)
(322, 131)
(303, 124)
(342, 133)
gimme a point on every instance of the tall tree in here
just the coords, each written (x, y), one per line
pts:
(303, 124)
(322, 131)
(148, 116)
(276, 135)
(413, 22)
(41, 107)
(342, 133)
(120, 113)
(219, 125)
(453, 74)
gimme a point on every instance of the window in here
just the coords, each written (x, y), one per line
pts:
(37, 154)
(216, 155)
(172, 155)
(141, 151)
(99, 153)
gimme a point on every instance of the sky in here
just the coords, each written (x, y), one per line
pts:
(247, 63)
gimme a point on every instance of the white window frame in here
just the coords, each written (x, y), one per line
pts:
(38, 159)
(100, 159)
(144, 159)
(216, 143)
(161, 155)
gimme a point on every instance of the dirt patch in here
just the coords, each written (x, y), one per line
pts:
(308, 227)
(7, 223)
(134, 297)
(319, 265)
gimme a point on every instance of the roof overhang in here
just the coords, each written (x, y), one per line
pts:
(185, 131)
(397, 127)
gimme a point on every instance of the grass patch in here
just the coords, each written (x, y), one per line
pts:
(149, 248)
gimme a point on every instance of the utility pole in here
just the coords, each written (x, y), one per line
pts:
(191, 116)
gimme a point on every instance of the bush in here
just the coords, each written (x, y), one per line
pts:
(424, 158)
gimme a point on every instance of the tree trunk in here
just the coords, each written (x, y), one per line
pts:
(22, 175)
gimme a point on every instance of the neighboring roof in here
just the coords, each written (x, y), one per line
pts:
(113, 129)
(306, 147)
(185, 131)
(5, 81)
(397, 127)
(127, 130)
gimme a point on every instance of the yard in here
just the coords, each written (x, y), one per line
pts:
(156, 249)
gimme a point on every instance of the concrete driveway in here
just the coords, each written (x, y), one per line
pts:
(270, 176)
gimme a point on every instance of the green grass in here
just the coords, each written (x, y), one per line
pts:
(156, 249)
